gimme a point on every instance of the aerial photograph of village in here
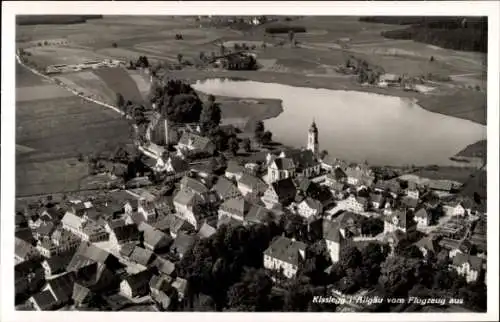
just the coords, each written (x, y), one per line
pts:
(250, 163)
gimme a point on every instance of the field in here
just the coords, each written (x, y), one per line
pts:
(90, 83)
(52, 131)
(327, 43)
(119, 81)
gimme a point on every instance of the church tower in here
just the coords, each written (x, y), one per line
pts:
(312, 139)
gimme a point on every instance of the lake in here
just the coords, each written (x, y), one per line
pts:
(357, 126)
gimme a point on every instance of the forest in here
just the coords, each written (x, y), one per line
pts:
(458, 33)
(54, 19)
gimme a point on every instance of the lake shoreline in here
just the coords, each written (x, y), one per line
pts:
(193, 76)
(204, 84)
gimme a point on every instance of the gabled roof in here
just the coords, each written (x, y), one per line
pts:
(87, 254)
(234, 167)
(22, 269)
(161, 283)
(45, 229)
(164, 265)
(405, 219)
(253, 182)
(139, 283)
(302, 158)
(187, 198)
(409, 202)
(206, 231)
(258, 214)
(62, 286)
(80, 293)
(376, 197)
(45, 300)
(26, 235)
(58, 263)
(284, 163)
(313, 204)
(284, 187)
(286, 250)
(236, 206)
(331, 231)
(126, 232)
(195, 141)
(182, 243)
(223, 187)
(72, 220)
(114, 223)
(178, 164)
(180, 284)
(142, 256)
(127, 249)
(429, 243)
(23, 248)
(62, 236)
(422, 213)
(475, 262)
(395, 236)
(153, 236)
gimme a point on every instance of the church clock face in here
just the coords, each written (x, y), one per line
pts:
(395, 220)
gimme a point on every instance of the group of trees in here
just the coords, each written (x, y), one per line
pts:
(262, 136)
(367, 73)
(142, 62)
(176, 100)
(459, 33)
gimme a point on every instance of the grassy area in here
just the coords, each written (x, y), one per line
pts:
(58, 130)
(119, 81)
(477, 149)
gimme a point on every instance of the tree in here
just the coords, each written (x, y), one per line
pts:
(179, 58)
(252, 293)
(267, 137)
(350, 257)
(211, 115)
(114, 45)
(398, 275)
(120, 101)
(431, 59)
(246, 145)
(233, 145)
(323, 154)
(202, 56)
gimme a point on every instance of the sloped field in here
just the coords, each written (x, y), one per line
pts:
(119, 81)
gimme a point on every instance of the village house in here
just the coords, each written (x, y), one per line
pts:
(259, 215)
(175, 167)
(391, 187)
(412, 190)
(359, 175)
(136, 285)
(142, 256)
(61, 288)
(192, 185)
(337, 175)
(377, 200)
(461, 247)
(396, 239)
(28, 278)
(83, 228)
(164, 266)
(226, 189)
(187, 206)
(43, 231)
(43, 301)
(81, 296)
(386, 80)
(162, 292)
(280, 192)
(284, 255)
(125, 199)
(235, 208)
(309, 207)
(88, 254)
(206, 230)
(279, 169)
(56, 264)
(428, 244)
(181, 285)
(122, 234)
(469, 266)
(305, 161)
(441, 185)
(234, 170)
(193, 144)
(249, 184)
(356, 204)
(423, 217)
(334, 240)
(409, 203)
(154, 239)
(182, 243)
(403, 221)
(62, 241)
(25, 251)
(172, 224)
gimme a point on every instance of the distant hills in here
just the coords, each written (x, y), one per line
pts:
(53, 19)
